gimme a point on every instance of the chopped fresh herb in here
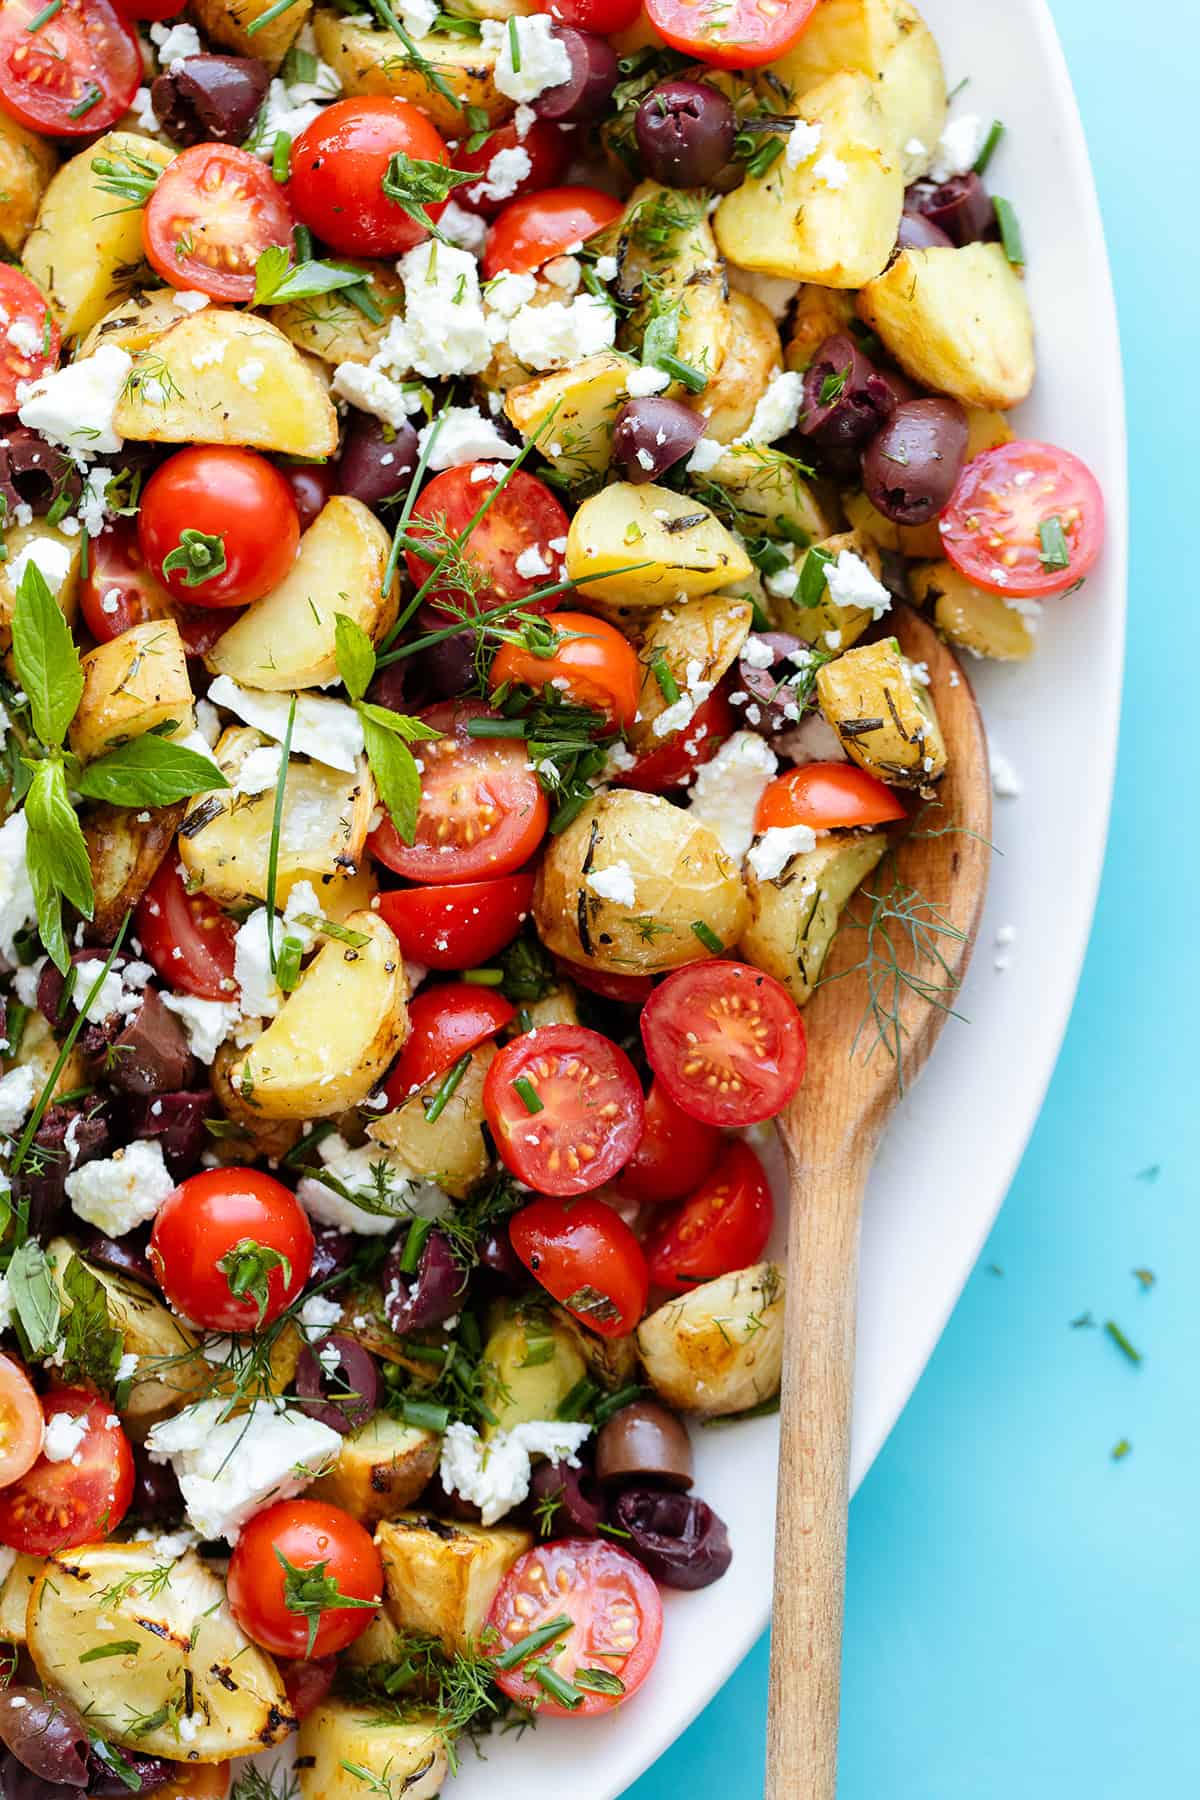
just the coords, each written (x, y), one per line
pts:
(536, 1641)
(990, 144)
(1146, 1278)
(482, 977)
(92, 96)
(528, 1094)
(267, 18)
(312, 1592)
(599, 1681)
(415, 186)
(1121, 1449)
(281, 159)
(276, 829)
(668, 687)
(707, 936)
(36, 1305)
(247, 1268)
(557, 1686)
(834, 386)
(287, 968)
(693, 379)
(424, 1415)
(92, 1344)
(1123, 1344)
(1010, 231)
(277, 281)
(122, 1647)
(814, 581)
(43, 18)
(514, 46)
(437, 1102)
(1083, 1322)
(1055, 551)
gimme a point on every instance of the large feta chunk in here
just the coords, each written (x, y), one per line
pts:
(121, 1191)
(541, 55)
(727, 790)
(776, 848)
(230, 1468)
(371, 391)
(74, 405)
(777, 410)
(851, 583)
(464, 436)
(494, 1476)
(207, 1022)
(49, 557)
(327, 730)
(443, 331)
(557, 335)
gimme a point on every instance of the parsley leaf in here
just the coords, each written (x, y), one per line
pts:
(277, 281)
(395, 772)
(312, 1592)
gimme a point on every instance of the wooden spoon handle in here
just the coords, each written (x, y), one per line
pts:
(814, 1454)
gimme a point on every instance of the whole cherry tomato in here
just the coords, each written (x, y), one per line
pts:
(585, 1255)
(218, 526)
(231, 1248)
(594, 666)
(305, 1579)
(339, 165)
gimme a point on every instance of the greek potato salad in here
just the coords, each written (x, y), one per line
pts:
(456, 474)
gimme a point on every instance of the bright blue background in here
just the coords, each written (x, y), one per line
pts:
(1023, 1612)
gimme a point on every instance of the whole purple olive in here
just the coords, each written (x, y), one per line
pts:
(771, 686)
(445, 669)
(124, 1256)
(34, 473)
(499, 1262)
(337, 1382)
(647, 1443)
(846, 398)
(685, 132)
(413, 1299)
(912, 467)
(586, 92)
(210, 99)
(678, 1538)
(919, 233)
(376, 460)
(651, 435)
(176, 1121)
(67, 1137)
(45, 1734)
(19, 1783)
(568, 1502)
(152, 1772)
(156, 1496)
(961, 207)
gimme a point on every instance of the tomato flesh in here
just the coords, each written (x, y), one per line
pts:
(75, 75)
(594, 666)
(525, 517)
(243, 508)
(213, 212)
(565, 1108)
(1026, 520)
(458, 926)
(675, 1154)
(743, 35)
(216, 1217)
(826, 797)
(723, 1226)
(79, 1499)
(660, 770)
(39, 339)
(726, 1041)
(338, 166)
(21, 1422)
(532, 230)
(482, 809)
(615, 1618)
(187, 937)
(318, 1540)
(444, 1023)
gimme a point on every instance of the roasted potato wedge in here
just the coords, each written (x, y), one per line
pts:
(531, 1362)
(124, 850)
(441, 1579)
(137, 682)
(753, 355)
(450, 1149)
(817, 313)
(227, 22)
(330, 327)
(883, 716)
(257, 1136)
(27, 163)
(342, 1746)
(696, 641)
(665, 239)
(769, 489)
(192, 1660)
(970, 616)
(75, 210)
(381, 1468)
(957, 321)
(794, 917)
(571, 412)
(681, 547)
(14, 1597)
(39, 1050)
(223, 377)
(815, 623)
(792, 222)
(370, 62)
(136, 323)
(288, 640)
(336, 1034)
(674, 881)
(718, 1348)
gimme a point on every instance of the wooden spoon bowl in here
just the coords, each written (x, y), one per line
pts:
(870, 1032)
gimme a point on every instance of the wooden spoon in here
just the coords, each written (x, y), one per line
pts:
(830, 1134)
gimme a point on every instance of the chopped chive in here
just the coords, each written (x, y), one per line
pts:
(529, 1094)
(525, 1647)
(1121, 1341)
(814, 580)
(667, 684)
(281, 157)
(45, 16)
(612, 1403)
(599, 1681)
(276, 828)
(357, 940)
(496, 728)
(359, 295)
(437, 1102)
(989, 148)
(414, 1243)
(91, 98)
(287, 972)
(1056, 552)
(578, 1400)
(1010, 231)
(514, 46)
(272, 13)
(834, 386)
(424, 1415)
(1121, 1449)
(300, 1150)
(122, 1647)
(707, 936)
(302, 244)
(1146, 1278)
(482, 977)
(557, 1686)
(693, 379)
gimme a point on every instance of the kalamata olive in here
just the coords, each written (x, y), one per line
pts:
(19, 1783)
(445, 669)
(685, 132)
(34, 473)
(961, 207)
(313, 485)
(647, 1442)
(442, 1503)
(586, 91)
(177, 1122)
(678, 1538)
(567, 1501)
(910, 469)
(651, 435)
(67, 1137)
(58, 1012)
(152, 1772)
(156, 1496)
(150, 1054)
(210, 99)
(376, 461)
(846, 398)
(771, 687)
(499, 1263)
(337, 1382)
(332, 1251)
(124, 1256)
(919, 233)
(412, 1301)
(46, 1734)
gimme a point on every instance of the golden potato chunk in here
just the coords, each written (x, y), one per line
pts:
(441, 1579)
(346, 1751)
(883, 715)
(696, 641)
(381, 1468)
(793, 917)
(372, 62)
(27, 162)
(134, 684)
(970, 616)
(228, 22)
(718, 1348)
(670, 545)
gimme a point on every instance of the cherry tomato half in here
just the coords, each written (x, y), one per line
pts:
(444, 1023)
(615, 1613)
(726, 1041)
(218, 526)
(231, 1248)
(675, 1154)
(604, 17)
(30, 322)
(742, 35)
(305, 1579)
(678, 760)
(827, 797)
(75, 75)
(1025, 520)
(149, 9)
(585, 1255)
(565, 1108)
(723, 1226)
(213, 212)
(547, 148)
(530, 231)
(187, 937)
(457, 927)
(597, 664)
(630, 990)
(84, 1496)
(20, 1422)
(482, 809)
(525, 517)
(338, 166)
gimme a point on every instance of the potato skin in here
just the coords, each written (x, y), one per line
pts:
(671, 546)
(699, 637)
(27, 163)
(227, 22)
(793, 919)
(441, 1578)
(585, 401)
(970, 616)
(884, 718)
(753, 355)
(381, 1468)
(682, 877)
(135, 683)
(370, 62)
(124, 850)
(451, 1150)
(718, 1348)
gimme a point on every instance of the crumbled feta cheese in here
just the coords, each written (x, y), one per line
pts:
(142, 108)
(531, 563)
(229, 1468)
(207, 1022)
(727, 790)
(190, 300)
(6, 1317)
(958, 147)
(64, 1434)
(557, 335)
(107, 998)
(831, 171)
(417, 16)
(371, 391)
(772, 291)
(259, 770)
(327, 730)
(564, 273)
(1006, 783)
(615, 883)
(317, 1314)
(607, 268)
(803, 142)
(410, 1194)
(261, 995)
(53, 560)
(92, 504)
(640, 382)
(127, 1367)
(443, 331)
(208, 722)
(280, 115)
(464, 436)
(175, 42)
(317, 82)
(756, 653)
(507, 293)
(505, 173)
(209, 356)
(541, 52)
(17, 908)
(851, 583)
(524, 120)
(121, 1191)
(781, 584)
(705, 456)
(251, 373)
(495, 1476)
(468, 230)
(17, 1091)
(776, 848)
(169, 1546)
(25, 337)
(74, 405)
(777, 410)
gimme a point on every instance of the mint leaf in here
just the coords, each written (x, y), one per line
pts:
(57, 858)
(149, 771)
(395, 772)
(47, 661)
(34, 1297)
(275, 283)
(355, 655)
(415, 185)
(413, 731)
